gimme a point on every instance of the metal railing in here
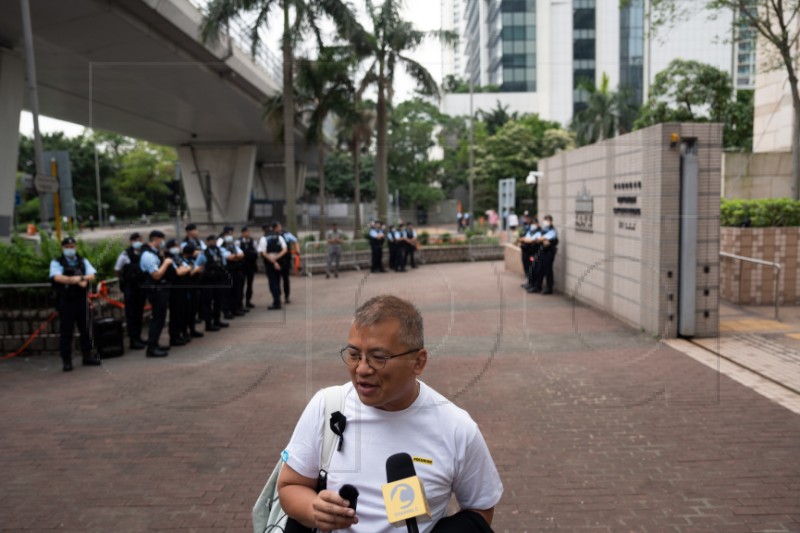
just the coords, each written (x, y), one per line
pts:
(240, 33)
(743, 260)
(316, 255)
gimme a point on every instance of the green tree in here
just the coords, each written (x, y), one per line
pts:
(323, 87)
(391, 40)
(607, 113)
(497, 117)
(411, 170)
(689, 91)
(775, 22)
(141, 184)
(355, 131)
(339, 176)
(300, 17)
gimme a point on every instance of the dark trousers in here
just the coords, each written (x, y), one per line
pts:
(192, 306)
(527, 255)
(134, 309)
(212, 295)
(233, 294)
(274, 278)
(159, 301)
(462, 522)
(286, 269)
(409, 255)
(177, 312)
(249, 276)
(543, 268)
(377, 258)
(392, 255)
(73, 311)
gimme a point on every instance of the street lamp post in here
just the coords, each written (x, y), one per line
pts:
(533, 180)
(97, 183)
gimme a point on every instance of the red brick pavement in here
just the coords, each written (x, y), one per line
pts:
(594, 426)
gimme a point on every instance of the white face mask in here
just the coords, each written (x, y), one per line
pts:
(69, 253)
(174, 250)
(228, 239)
(136, 245)
(546, 226)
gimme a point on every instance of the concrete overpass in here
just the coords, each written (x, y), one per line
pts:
(139, 68)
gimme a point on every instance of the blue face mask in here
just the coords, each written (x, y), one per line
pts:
(70, 253)
(175, 250)
(136, 245)
(228, 239)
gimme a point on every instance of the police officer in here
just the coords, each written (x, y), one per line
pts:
(215, 281)
(335, 238)
(192, 238)
(178, 288)
(250, 266)
(71, 275)
(131, 277)
(156, 291)
(234, 265)
(527, 246)
(293, 247)
(410, 236)
(548, 240)
(376, 238)
(192, 282)
(272, 248)
(392, 245)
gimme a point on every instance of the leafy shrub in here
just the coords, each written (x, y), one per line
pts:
(765, 213)
(21, 263)
(446, 237)
(473, 232)
(424, 238)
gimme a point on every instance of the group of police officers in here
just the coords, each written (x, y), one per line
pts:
(539, 245)
(402, 244)
(194, 280)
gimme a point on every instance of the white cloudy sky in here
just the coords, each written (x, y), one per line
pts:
(425, 14)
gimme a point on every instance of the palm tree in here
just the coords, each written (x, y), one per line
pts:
(607, 113)
(307, 15)
(323, 87)
(391, 40)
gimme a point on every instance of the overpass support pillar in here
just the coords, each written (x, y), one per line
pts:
(218, 181)
(12, 88)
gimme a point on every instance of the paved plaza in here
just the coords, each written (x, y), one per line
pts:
(594, 426)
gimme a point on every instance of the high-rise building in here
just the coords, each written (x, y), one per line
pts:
(546, 48)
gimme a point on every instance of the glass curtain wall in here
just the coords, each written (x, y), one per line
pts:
(584, 49)
(519, 45)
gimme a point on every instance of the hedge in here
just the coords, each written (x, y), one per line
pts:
(766, 213)
(20, 262)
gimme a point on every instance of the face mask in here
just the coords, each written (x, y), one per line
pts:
(70, 252)
(546, 226)
(228, 239)
(161, 245)
(136, 245)
(175, 250)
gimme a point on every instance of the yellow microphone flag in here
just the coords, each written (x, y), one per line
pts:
(405, 499)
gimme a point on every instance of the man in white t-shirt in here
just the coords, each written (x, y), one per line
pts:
(389, 411)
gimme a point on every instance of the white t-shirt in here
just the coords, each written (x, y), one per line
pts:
(455, 458)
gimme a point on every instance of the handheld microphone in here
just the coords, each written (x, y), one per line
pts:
(349, 493)
(404, 494)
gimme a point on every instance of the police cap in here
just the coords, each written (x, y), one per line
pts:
(227, 229)
(68, 240)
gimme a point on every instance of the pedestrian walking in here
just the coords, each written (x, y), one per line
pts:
(335, 238)
(71, 275)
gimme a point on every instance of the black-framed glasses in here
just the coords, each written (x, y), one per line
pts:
(376, 361)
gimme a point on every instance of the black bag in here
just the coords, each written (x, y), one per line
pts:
(108, 337)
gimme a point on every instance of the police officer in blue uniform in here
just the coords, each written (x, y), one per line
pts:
(131, 277)
(547, 254)
(178, 288)
(250, 264)
(192, 286)
(528, 248)
(286, 260)
(215, 281)
(155, 289)
(272, 248)
(409, 245)
(71, 275)
(234, 265)
(391, 243)
(376, 238)
(193, 239)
